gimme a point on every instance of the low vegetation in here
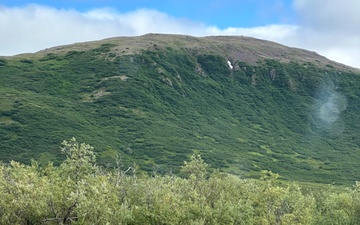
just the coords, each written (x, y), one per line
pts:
(158, 105)
(78, 191)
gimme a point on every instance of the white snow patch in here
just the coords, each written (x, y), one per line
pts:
(230, 65)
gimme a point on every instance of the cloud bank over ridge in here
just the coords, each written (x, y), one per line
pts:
(329, 29)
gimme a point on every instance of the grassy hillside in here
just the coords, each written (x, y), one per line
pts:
(156, 99)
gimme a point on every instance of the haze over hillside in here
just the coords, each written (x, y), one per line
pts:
(245, 104)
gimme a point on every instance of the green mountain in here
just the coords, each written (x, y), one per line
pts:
(246, 105)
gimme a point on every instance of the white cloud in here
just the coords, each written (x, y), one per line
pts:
(277, 33)
(329, 29)
(330, 14)
(34, 27)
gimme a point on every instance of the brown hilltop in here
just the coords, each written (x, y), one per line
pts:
(234, 48)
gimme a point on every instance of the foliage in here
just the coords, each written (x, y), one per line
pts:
(195, 169)
(158, 106)
(31, 194)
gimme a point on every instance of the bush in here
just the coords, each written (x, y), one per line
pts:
(80, 192)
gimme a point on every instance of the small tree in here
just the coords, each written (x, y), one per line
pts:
(80, 159)
(195, 169)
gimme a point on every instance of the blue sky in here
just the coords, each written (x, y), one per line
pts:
(329, 27)
(221, 13)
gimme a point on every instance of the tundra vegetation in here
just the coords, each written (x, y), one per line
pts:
(158, 99)
(78, 191)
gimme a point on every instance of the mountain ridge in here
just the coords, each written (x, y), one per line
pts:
(236, 48)
(155, 99)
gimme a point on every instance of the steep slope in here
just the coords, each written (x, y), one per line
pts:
(245, 104)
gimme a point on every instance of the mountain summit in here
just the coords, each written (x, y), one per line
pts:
(246, 105)
(235, 48)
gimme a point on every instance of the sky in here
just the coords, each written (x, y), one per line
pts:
(328, 27)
